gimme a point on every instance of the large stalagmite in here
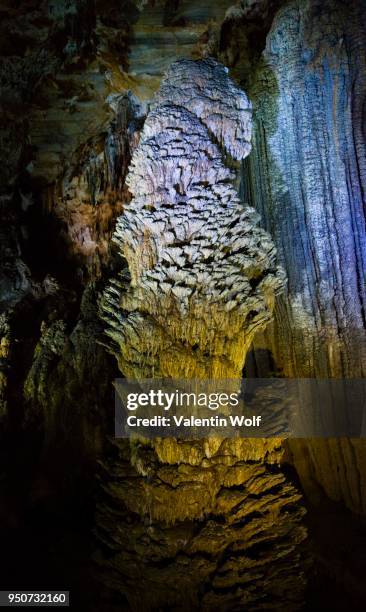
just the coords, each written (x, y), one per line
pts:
(210, 524)
(203, 274)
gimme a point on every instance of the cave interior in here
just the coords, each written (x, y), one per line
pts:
(97, 98)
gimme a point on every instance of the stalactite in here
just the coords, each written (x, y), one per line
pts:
(216, 523)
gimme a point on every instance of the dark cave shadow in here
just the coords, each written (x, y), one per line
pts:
(260, 363)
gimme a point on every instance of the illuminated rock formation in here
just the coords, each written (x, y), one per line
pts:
(309, 97)
(313, 205)
(203, 274)
(65, 148)
(205, 525)
(211, 524)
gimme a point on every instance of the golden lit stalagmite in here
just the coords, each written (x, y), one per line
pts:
(203, 274)
(205, 524)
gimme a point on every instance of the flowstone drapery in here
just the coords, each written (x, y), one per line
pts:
(209, 524)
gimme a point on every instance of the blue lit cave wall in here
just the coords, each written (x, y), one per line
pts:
(306, 175)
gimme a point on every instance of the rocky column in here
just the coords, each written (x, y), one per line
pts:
(206, 524)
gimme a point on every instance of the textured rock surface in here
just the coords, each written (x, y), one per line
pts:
(201, 526)
(217, 514)
(65, 70)
(166, 32)
(203, 275)
(306, 176)
(67, 131)
(86, 203)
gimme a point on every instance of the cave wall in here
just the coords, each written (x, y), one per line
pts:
(306, 176)
(68, 125)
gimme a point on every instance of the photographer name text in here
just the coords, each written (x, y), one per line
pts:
(192, 421)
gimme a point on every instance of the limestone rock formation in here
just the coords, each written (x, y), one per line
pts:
(5, 340)
(308, 91)
(307, 178)
(216, 523)
(86, 203)
(201, 526)
(66, 70)
(203, 274)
